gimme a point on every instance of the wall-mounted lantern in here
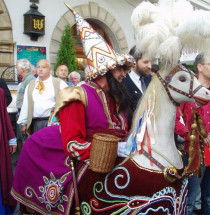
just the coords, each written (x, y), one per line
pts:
(34, 23)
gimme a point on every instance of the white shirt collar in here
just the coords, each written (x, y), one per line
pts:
(134, 75)
(135, 78)
(47, 80)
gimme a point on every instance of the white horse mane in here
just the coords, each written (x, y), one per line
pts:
(163, 31)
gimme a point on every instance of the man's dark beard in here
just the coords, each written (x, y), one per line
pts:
(119, 92)
(140, 72)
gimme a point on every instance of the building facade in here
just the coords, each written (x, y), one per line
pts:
(112, 17)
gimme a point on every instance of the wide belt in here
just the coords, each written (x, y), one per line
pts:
(40, 118)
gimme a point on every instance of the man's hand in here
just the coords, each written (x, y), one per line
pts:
(12, 149)
(23, 129)
(207, 140)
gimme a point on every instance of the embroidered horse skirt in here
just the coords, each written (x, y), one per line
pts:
(43, 182)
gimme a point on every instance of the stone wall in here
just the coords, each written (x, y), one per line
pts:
(6, 39)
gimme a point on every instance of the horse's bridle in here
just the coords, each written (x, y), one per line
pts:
(165, 82)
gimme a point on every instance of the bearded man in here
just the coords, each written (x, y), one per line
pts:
(99, 105)
(137, 80)
(103, 108)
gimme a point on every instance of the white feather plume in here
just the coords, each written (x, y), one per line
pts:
(164, 30)
(195, 32)
(175, 11)
(147, 13)
(170, 56)
(150, 37)
(143, 14)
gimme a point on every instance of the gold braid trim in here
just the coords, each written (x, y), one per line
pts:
(67, 95)
(203, 135)
(196, 149)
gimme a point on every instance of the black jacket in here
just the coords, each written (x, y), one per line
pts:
(3, 85)
(135, 93)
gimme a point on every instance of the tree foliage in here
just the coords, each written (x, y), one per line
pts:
(66, 52)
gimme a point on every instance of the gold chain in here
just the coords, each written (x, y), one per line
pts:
(197, 121)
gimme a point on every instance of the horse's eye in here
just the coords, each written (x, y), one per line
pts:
(182, 78)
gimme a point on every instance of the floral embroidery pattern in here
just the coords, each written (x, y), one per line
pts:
(52, 193)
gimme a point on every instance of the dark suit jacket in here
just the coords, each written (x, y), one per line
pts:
(135, 93)
(3, 85)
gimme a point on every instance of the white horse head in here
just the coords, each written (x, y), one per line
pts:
(155, 116)
(181, 86)
(162, 31)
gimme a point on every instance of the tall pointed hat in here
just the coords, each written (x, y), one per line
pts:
(100, 56)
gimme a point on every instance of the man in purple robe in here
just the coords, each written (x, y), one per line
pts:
(8, 146)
